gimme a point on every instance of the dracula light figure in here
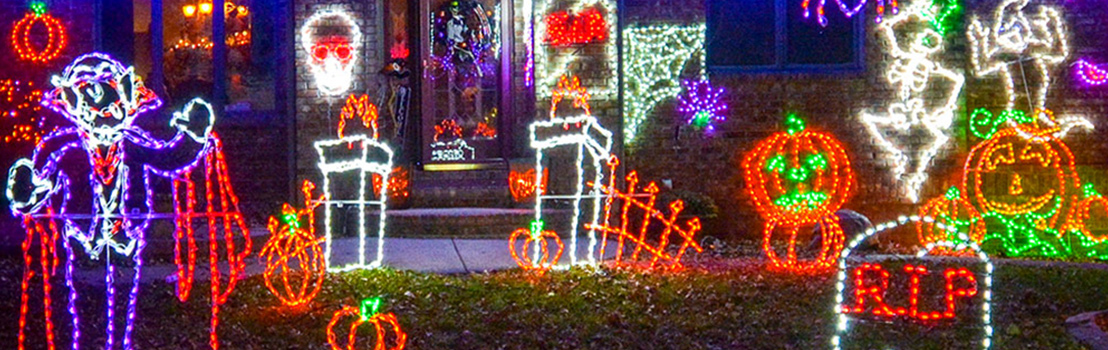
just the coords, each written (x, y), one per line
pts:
(332, 40)
(96, 176)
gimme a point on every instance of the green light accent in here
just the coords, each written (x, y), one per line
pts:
(984, 124)
(702, 119)
(1020, 237)
(953, 193)
(797, 174)
(536, 227)
(777, 163)
(1090, 191)
(369, 308)
(38, 8)
(794, 201)
(794, 124)
(816, 162)
(292, 221)
(943, 15)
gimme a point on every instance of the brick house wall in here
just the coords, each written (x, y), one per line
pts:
(317, 114)
(832, 102)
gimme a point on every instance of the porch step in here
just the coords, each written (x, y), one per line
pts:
(467, 222)
(484, 188)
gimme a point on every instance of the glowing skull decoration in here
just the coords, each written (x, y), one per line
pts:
(332, 39)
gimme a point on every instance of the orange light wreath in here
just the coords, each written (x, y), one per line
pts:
(55, 37)
(399, 181)
(291, 241)
(799, 178)
(522, 184)
(542, 261)
(366, 314)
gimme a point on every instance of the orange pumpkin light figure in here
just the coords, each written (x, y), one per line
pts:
(366, 314)
(950, 211)
(537, 239)
(293, 242)
(1024, 177)
(799, 178)
(21, 36)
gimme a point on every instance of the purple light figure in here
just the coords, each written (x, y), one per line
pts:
(702, 104)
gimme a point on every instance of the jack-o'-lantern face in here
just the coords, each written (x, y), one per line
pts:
(798, 174)
(1022, 170)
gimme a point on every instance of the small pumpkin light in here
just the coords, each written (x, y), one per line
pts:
(292, 242)
(367, 312)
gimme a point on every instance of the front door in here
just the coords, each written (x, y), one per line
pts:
(463, 81)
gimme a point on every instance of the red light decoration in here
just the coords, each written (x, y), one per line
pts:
(541, 261)
(21, 36)
(289, 240)
(366, 314)
(222, 215)
(564, 29)
(799, 178)
(624, 234)
(522, 184)
(570, 86)
(871, 281)
(20, 105)
(448, 127)
(359, 107)
(399, 181)
(484, 130)
(48, 262)
(1084, 211)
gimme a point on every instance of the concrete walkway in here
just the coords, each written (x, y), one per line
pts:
(436, 255)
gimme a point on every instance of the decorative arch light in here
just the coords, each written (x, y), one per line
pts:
(332, 57)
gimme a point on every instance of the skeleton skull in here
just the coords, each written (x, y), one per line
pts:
(332, 39)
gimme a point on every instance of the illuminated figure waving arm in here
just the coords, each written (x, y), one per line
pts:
(1017, 35)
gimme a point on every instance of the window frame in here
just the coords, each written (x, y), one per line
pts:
(781, 46)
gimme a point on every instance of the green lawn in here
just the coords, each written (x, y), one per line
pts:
(732, 304)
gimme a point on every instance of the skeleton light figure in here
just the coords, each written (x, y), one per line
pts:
(103, 98)
(1019, 35)
(332, 39)
(926, 98)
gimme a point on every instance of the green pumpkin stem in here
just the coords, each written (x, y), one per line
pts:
(794, 124)
(370, 307)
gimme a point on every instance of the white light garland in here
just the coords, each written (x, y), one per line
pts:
(364, 163)
(552, 63)
(588, 136)
(655, 57)
(453, 151)
(1018, 35)
(332, 76)
(912, 72)
(842, 320)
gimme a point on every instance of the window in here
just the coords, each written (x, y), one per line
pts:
(773, 35)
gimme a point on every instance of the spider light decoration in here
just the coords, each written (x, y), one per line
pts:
(702, 104)
(105, 154)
